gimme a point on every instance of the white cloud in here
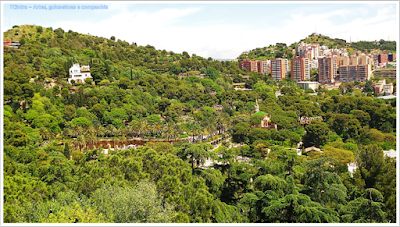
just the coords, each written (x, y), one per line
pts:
(164, 30)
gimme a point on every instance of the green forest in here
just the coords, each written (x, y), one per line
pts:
(55, 171)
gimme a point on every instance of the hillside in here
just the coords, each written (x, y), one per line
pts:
(148, 144)
(282, 51)
(86, 49)
(48, 53)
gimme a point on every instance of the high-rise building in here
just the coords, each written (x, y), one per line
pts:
(391, 57)
(385, 73)
(363, 72)
(353, 61)
(306, 50)
(343, 61)
(344, 73)
(300, 68)
(262, 67)
(358, 69)
(383, 58)
(250, 65)
(255, 66)
(364, 60)
(278, 69)
(327, 70)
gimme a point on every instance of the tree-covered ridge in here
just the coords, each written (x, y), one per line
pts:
(379, 46)
(55, 171)
(280, 50)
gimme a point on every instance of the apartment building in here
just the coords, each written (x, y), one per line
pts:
(383, 58)
(327, 70)
(354, 69)
(278, 69)
(306, 50)
(364, 60)
(391, 57)
(255, 66)
(382, 88)
(262, 67)
(385, 73)
(250, 65)
(300, 68)
(364, 72)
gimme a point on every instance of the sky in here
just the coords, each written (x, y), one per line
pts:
(221, 30)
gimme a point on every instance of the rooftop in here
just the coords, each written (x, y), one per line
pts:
(260, 113)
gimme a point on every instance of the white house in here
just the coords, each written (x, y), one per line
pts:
(308, 84)
(391, 153)
(79, 73)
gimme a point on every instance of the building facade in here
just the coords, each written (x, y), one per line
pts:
(308, 84)
(250, 65)
(354, 69)
(79, 73)
(262, 67)
(383, 58)
(278, 69)
(364, 73)
(12, 44)
(327, 70)
(391, 57)
(385, 73)
(255, 66)
(300, 68)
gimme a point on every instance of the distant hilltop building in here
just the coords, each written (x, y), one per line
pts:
(310, 51)
(79, 73)
(12, 44)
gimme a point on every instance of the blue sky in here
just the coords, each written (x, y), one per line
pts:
(218, 30)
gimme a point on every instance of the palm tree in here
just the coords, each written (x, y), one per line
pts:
(198, 153)
(78, 130)
(67, 132)
(195, 129)
(80, 141)
(116, 140)
(176, 132)
(92, 140)
(123, 131)
(44, 133)
(110, 130)
(167, 131)
(219, 124)
(146, 128)
(227, 123)
(123, 140)
(135, 127)
(100, 131)
(89, 129)
(158, 129)
(152, 130)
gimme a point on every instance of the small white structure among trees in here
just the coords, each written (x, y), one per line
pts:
(79, 73)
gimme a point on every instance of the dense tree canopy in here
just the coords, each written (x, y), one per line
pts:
(164, 137)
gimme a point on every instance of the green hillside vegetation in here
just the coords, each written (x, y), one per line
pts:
(56, 171)
(280, 50)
